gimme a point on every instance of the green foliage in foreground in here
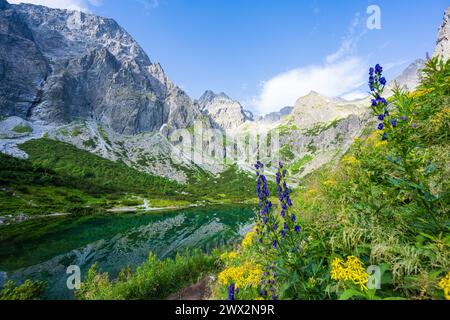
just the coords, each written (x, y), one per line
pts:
(386, 204)
(29, 290)
(154, 279)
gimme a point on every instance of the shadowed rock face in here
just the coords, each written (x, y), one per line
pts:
(57, 66)
(443, 43)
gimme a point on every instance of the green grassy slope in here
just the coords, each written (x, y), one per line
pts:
(58, 177)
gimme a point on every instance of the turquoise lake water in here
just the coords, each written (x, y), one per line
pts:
(42, 249)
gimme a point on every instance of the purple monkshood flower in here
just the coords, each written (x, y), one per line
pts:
(297, 229)
(274, 244)
(380, 126)
(371, 71)
(374, 103)
(394, 123)
(289, 201)
(274, 297)
(381, 117)
(286, 226)
(283, 234)
(263, 293)
(414, 125)
(283, 213)
(275, 227)
(378, 69)
(231, 292)
(383, 81)
(384, 137)
(404, 118)
(293, 218)
(265, 220)
(266, 274)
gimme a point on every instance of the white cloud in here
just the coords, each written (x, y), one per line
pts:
(350, 41)
(341, 75)
(355, 95)
(330, 79)
(80, 5)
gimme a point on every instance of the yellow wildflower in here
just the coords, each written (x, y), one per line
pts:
(248, 274)
(330, 183)
(380, 144)
(444, 284)
(350, 160)
(248, 240)
(441, 118)
(419, 93)
(350, 270)
(230, 256)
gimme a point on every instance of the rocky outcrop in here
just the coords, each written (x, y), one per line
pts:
(443, 44)
(314, 109)
(409, 79)
(57, 66)
(225, 112)
(276, 116)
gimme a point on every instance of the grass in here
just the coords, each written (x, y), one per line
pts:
(297, 166)
(59, 178)
(22, 128)
(321, 127)
(154, 279)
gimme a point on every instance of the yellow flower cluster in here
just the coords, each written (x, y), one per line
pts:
(440, 118)
(419, 93)
(230, 256)
(248, 274)
(330, 183)
(350, 270)
(248, 240)
(444, 284)
(350, 160)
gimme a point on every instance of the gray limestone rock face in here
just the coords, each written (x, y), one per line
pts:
(57, 66)
(224, 112)
(443, 44)
(409, 79)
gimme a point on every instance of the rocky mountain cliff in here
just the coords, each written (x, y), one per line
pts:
(225, 112)
(314, 109)
(82, 79)
(58, 66)
(276, 116)
(409, 79)
(443, 43)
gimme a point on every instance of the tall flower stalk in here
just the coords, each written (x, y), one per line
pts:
(278, 230)
(398, 125)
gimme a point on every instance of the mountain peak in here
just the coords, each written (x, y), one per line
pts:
(210, 95)
(442, 43)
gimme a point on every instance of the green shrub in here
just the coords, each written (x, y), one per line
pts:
(22, 128)
(154, 279)
(27, 291)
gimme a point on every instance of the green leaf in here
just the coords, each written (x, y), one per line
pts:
(350, 293)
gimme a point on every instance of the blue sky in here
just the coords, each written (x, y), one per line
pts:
(267, 53)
